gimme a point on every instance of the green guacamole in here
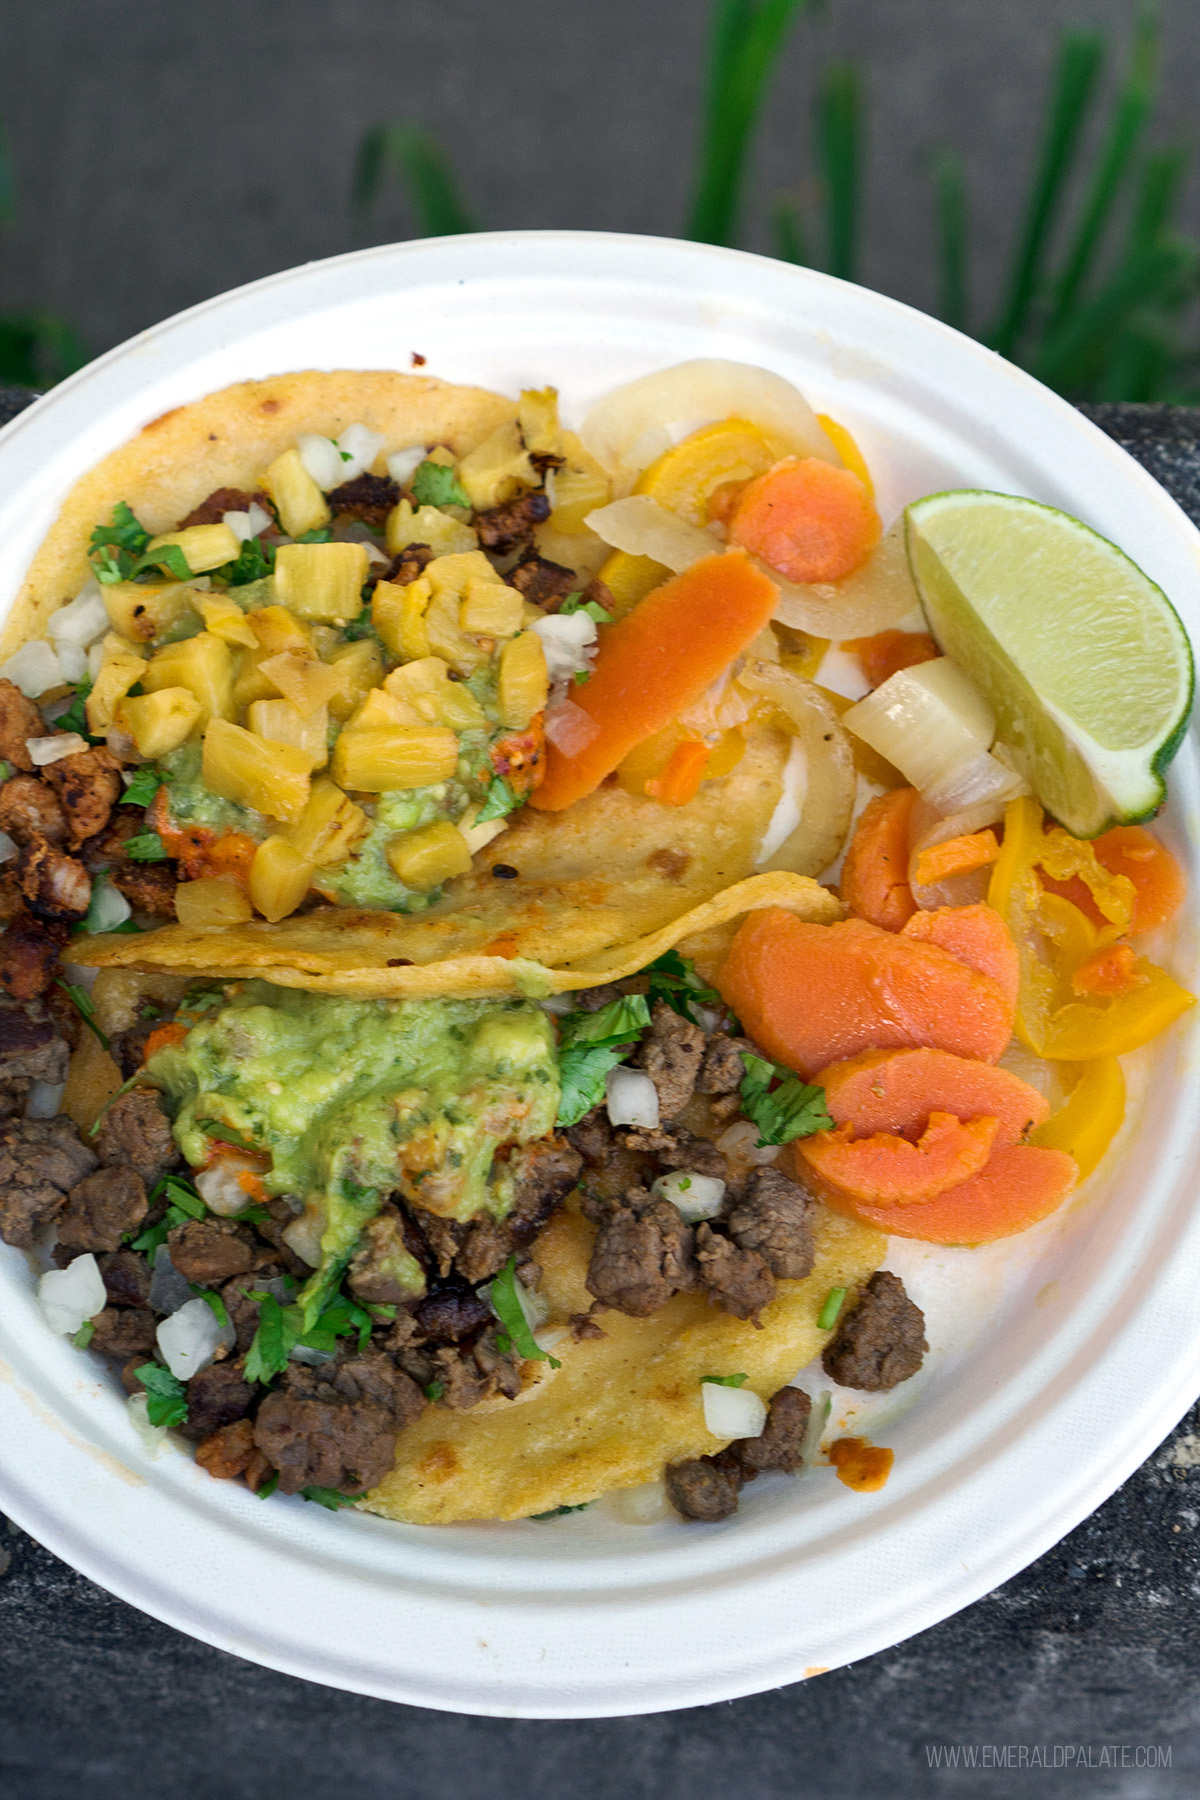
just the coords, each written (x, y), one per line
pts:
(356, 1099)
(193, 804)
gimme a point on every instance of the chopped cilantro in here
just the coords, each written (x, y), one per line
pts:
(83, 1337)
(320, 534)
(75, 717)
(184, 1204)
(673, 978)
(382, 1311)
(169, 557)
(792, 1109)
(5, 771)
(147, 848)
(507, 1307)
(498, 801)
(333, 1498)
(254, 561)
(224, 1134)
(580, 676)
(115, 548)
(362, 627)
(576, 603)
(435, 1390)
(279, 1330)
(342, 1318)
(725, 1380)
(433, 484)
(180, 1194)
(266, 1488)
(81, 1000)
(151, 1241)
(219, 1311)
(827, 1318)
(590, 1044)
(556, 1512)
(143, 788)
(253, 1215)
(620, 1022)
(166, 1397)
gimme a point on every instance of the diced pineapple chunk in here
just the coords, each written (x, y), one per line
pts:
(329, 827)
(308, 684)
(381, 710)
(279, 878)
(537, 415)
(398, 615)
(490, 609)
(424, 675)
(204, 665)
(279, 722)
(580, 487)
(251, 684)
(427, 525)
(497, 467)
(158, 723)
(120, 670)
(524, 683)
(359, 668)
(378, 762)
(277, 630)
(298, 500)
(477, 837)
(225, 619)
(211, 901)
(425, 858)
(426, 687)
(204, 546)
(448, 640)
(322, 581)
(143, 611)
(270, 778)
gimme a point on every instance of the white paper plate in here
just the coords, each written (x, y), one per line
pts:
(1060, 1359)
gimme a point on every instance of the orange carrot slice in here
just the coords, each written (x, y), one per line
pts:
(887, 1170)
(956, 856)
(807, 519)
(680, 780)
(1160, 885)
(816, 994)
(654, 663)
(977, 936)
(1110, 971)
(1018, 1185)
(875, 872)
(887, 652)
(898, 1090)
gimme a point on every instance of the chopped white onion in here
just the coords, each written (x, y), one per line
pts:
(108, 907)
(403, 463)
(631, 1098)
(739, 1144)
(640, 526)
(35, 669)
(301, 1353)
(260, 519)
(981, 781)
(362, 446)
(219, 1187)
(153, 1437)
(646, 1504)
(376, 555)
(708, 388)
(169, 1290)
(7, 848)
(818, 1418)
(303, 1235)
(82, 620)
(569, 728)
(928, 721)
(72, 660)
(695, 1197)
(870, 599)
(322, 460)
(45, 1100)
(78, 976)
(733, 1412)
(827, 804)
(239, 524)
(46, 750)
(70, 1297)
(189, 1340)
(565, 638)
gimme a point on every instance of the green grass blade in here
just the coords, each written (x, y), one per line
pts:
(1132, 111)
(950, 191)
(38, 349)
(1079, 350)
(789, 234)
(1080, 56)
(1162, 178)
(1143, 359)
(428, 177)
(839, 147)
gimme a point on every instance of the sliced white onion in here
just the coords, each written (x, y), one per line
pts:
(260, 519)
(403, 463)
(733, 1412)
(240, 525)
(303, 1235)
(646, 1504)
(34, 668)
(830, 782)
(219, 1187)
(7, 848)
(873, 598)
(566, 639)
(108, 907)
(569, 728)
(640, 526)
(362, 446)
(631, 1098)
(70, 1297)
(707, 389)
(376, 555)
(46, 750)
(928, 721)
(322, 460)
(169, 1290)
(189, 1340)
(82, 620)
(153, 1437)
(694, 1196)
(981, 781)
(45, 1100)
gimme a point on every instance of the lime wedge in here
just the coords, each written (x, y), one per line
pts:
(1085, 662)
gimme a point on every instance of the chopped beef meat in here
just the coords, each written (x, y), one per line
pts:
(486, 1248)
(88, 787)
(136, 1133)
(29, 808)
(228, 1451)
(32, 1048)
(208, 1251)
(129, 1047)
(412, 561)
(19, 719)
(468, 1376)
(671, 1055)
(124, 1333)
(774, 1217)
(29, 954)
(150, 887)
(723, 1069)
(381, 1268)
(217, 1396)
(677, 1148)
(57, 889)
(453, 1313)
(243, 1312)
(280, 1214)
(542, 582)
(642, 1255)
(221, 501)
(880, 1340)
(738, 1279)
(41, 1160)
(126, 1277)
(593, 1136)
(707, 1487)
(700, 1489)
(781, 1445)
(442, 1238)
(502, 528)
(336, 1426)
(595, 999)
(101, 1209)
(368, 497)
(543, 1173)
(124, 822)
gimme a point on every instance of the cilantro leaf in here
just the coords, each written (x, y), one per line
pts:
(581, 1073)
(433, 484)
(151, 1241)
(362, 627)
(576, 603)
(83, 1337)
(143, 788)
(149, 847)
(166, 1396)
(734, 1381)
(169, 557)
(435, 1390)
(219, 1311)
(498, 801)
(673, 978)
(320, 534)
(75, 717)
(333, 1498)
(125, 533)
(266, 1488)
(81, 1000)
(254, 561)
(620, 1022)
(279, 1330)
(506, 1304)
(790, 1110)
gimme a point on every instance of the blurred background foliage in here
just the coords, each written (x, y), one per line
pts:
(1099, 299)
